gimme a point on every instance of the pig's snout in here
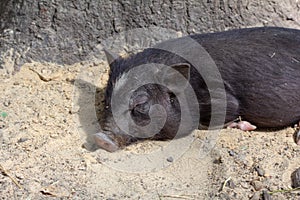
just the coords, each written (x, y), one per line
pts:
(105, 142)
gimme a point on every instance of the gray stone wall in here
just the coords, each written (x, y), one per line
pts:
(67, 31)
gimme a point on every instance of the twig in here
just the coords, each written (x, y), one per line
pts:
(44, 78)
(5, 173)
(285, 191)
(176, 196)
(225, 182)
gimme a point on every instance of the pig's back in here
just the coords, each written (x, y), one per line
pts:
(261, 69)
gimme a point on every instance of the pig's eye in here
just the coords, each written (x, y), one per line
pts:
(172, 98)
(142, 108)
(139, 105)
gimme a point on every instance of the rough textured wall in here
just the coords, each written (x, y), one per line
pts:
(66, 31)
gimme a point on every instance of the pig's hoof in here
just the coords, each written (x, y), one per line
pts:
(243, 125)
(105, 142)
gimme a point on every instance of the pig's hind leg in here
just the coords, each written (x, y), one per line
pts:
(242, 125)
(233, 119)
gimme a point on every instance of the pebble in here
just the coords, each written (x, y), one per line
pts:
(257, 185)
(19, 176)
(6, 103)
(259, 171)
(231, 152)
(230, 184)
(224, 196)
(266, 195)
(256, 196)
(296, 178)
(22, 140)
(218, 160)
(170, 159)
(244, 185)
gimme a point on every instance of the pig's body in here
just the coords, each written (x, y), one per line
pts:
(260, 68)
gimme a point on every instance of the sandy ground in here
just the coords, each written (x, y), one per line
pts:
(48, 112)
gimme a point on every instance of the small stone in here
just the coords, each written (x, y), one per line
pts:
(257, 185)
(6, 103)
(296, 178)
(170, 159)
(259, 171)
(218, 160)
(230, 184)
(19, 176)
(224, 196)
(245, 185)
(256, 196)
(54, 135)
(231, 152)
(22, 140)
(266, 195)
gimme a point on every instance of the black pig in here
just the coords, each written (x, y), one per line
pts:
(259, 71)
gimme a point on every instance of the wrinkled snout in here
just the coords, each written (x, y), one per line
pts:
(105, 142)
(111, 138)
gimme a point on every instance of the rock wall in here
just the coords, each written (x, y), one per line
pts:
(66, 32)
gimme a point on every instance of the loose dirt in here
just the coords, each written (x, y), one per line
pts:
(48, 113)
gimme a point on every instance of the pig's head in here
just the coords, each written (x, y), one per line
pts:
(141, 102)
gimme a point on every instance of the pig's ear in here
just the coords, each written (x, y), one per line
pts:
(171, 80)
(110, 56)
(184, 69)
